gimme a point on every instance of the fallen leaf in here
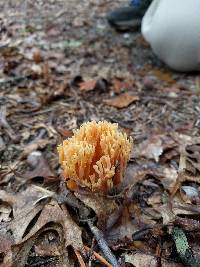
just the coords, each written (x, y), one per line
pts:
(154, 147)
(6, 243)
(53, 213)
(48, 244)
(27, 205)
(164, 76)
(32, 216)
(136, 173)
(123, 228)
(88, 85)
(190, 194)
(121, 101)
(64, 132)
(102, 206)
(119, 85)
(40, 168)
(40, 143)
(188, 224)
(139, 259)
(55, 94)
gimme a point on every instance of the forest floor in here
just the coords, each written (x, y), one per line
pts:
(62, 65)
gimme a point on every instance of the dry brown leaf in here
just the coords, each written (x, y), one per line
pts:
(40, 168)
(188, 224)
(64, 132)
(32, 216)
(58, 91)
(181, 178)
(190, 194)
(141, 259)
(102, 206)
(155, 199)
(88, 85)
(5, 250)
(28, 203)
(153, 147)
(53, 213)
(136, 173)
(26, 206)
(168, 176)
(119, 86)
(48, 244)
(189, 150)
(124, 227)
(40, 143)
(6, 197)
(122, 101)
(22, 251)
(164, 76)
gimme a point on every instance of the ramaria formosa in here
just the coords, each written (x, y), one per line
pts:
(95, 157)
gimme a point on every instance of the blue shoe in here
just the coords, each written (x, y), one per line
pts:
(130, 17)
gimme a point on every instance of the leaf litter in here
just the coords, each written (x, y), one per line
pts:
(43, 51)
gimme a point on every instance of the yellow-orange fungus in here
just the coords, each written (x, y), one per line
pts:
(95, 156)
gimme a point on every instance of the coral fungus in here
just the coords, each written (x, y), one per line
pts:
(95, 156)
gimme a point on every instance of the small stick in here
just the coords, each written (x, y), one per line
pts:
(99, 257)
(91, 252)
(80, 259)
(103, 245)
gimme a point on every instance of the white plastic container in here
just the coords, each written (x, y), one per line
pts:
(172, 27)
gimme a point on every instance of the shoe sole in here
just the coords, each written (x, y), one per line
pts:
(126, 26)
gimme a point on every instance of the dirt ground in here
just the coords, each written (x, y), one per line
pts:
(61, 64)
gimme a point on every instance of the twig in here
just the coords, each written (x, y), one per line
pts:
(91, 252)
(68, 198)
(103, 245)
(99, 257)
(80, 259)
